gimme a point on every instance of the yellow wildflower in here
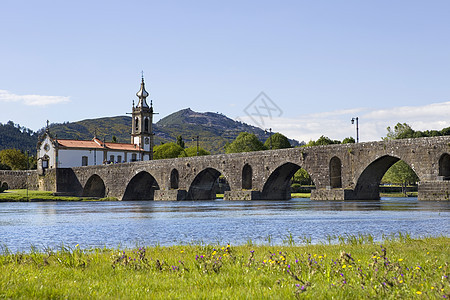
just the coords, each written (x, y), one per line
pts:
(432, 287)
(419, 293)
(344, 266)
(400, 259)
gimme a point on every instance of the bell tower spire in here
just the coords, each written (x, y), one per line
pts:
(142, 123)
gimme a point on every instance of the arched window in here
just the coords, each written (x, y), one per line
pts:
(247, 177)
(146, 125)
(444, 166)
(335, 172)
(136, 125)
(174, 179)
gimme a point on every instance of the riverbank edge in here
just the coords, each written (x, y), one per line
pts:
(42, 196)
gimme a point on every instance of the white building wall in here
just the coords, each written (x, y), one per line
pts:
(130, 156)
(73, 157)
(136, 141)
(116, 154)
(51, 153)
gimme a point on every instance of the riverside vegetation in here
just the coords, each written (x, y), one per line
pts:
(24, 196)
(355, 267)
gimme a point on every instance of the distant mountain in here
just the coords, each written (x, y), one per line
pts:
(214, 130)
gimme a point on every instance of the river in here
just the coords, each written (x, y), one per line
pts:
(148, 223)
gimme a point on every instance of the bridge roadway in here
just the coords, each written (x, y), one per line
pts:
(339, 172)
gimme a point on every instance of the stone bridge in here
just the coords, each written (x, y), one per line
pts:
(339, 172)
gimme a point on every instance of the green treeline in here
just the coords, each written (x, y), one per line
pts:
(14, 136)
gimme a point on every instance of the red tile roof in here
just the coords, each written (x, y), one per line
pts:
(98, 144)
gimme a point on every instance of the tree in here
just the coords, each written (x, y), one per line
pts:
(400, 131)
(445, 131)
(348, 140)
(14, 158)
(168, 150)
(245, 142)
(302, 177)
(192, 151)
(400, 173)
(323, 140)
(180, 141)
(4, 167)
(278, 141)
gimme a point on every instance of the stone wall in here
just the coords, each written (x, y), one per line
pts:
(19, 179)
(434, 190)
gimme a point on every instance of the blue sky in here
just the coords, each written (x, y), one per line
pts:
(320, 62)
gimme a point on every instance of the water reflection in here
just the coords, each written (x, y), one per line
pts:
(97, 224)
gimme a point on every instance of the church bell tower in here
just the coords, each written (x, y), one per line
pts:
(142, 124)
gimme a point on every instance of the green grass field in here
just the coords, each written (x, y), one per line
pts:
(356, 268)
(21, 195)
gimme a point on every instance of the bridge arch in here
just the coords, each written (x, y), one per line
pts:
(5, 186)
(203, 185)
(94, 187)
(335, 172)
(278, 185)
(247, 177)
(174, 179)
(444, 166)
(368, 183)
(141, 187)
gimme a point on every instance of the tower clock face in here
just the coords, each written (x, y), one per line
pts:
(147, 141)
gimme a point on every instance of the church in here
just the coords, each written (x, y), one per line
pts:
(65, 153)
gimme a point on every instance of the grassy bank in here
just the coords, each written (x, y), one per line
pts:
(21, 196)
(403, 268)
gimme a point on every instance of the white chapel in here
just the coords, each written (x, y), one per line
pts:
(65, 153)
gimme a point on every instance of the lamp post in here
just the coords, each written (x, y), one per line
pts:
(270, 137)
(357, 128)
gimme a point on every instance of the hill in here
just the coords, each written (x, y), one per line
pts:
(17, 137)
(214, 130)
